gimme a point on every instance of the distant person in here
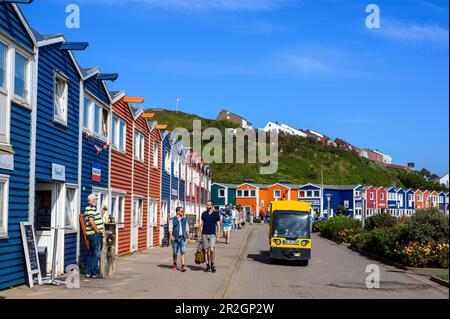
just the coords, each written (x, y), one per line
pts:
(227, 226)
(262, 215)
(179, 235)
(210, 230)
(94, 232)
(242, 217)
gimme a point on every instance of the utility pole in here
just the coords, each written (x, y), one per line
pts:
(178, 103)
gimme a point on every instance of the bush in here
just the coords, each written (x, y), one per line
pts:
(416, 254)
(382, 241)
(318, 226)
(382, 220)
(339, 228)
(426, 226)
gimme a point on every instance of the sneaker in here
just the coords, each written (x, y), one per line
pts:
(174, 267)
(213, 269)
(183, 268)
(207, 269)
(88, 276)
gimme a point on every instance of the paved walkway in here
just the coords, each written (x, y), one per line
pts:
(334, 272)
(147, 274)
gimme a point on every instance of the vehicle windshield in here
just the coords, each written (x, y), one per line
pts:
(291, 224)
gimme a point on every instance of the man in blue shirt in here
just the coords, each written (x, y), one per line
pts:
(210, 230)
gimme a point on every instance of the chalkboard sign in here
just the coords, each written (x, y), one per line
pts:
(31, 255)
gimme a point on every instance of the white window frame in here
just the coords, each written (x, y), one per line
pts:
(4, 228)
(91, 116)
(74, 215)
(140, 214)
(155, 154)
(23, 101)
(372, 197)
(139, 145)
(220, 191)
(117, 197)
(153, 212)
(275, 191)
(7, 90)
(4, 96)
(61, 119)
(167, 163)
(115, 140)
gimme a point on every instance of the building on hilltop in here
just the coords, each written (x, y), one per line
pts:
(225, 115)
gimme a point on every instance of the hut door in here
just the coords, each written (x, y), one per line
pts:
(136, 222)
(48, 215)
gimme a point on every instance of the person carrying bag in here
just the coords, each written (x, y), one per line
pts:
(200, 254)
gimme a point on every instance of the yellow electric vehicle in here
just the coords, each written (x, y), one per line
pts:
(290, 231)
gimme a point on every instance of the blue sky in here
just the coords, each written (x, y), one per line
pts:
(309, 63)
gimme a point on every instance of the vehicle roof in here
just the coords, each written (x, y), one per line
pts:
(291, 205)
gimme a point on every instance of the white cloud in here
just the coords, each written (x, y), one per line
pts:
(228, 5)
(413, 32)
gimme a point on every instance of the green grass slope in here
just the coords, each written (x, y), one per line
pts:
(303, 160)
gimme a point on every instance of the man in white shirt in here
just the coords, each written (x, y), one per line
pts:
(235, 216)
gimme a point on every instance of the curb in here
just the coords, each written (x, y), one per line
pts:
(227, 279)
(439, 281)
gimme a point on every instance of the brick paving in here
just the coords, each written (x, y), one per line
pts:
(147, 275)
(245, 272)
(334, 272)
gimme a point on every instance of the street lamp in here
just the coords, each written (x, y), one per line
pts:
(363, 213)
(329, 204)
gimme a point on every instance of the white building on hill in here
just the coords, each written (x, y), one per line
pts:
(271, 126)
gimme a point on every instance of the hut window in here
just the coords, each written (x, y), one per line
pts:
(3, 50)
(118, 133)
(167, 162)
(277, 194)
(105, 122)
(3, 95)
(221, 193)
(87, 109)
(71, 207)
(21, 77)
(61, 98)
(138, 211)
(4, 188)
(155, 154)
(118, 209)
(3, 119)
(139, 146)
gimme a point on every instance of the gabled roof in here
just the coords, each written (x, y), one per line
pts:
(340, 187)
(49, 39)
(254, 185)
(116, 95)
(226, 185)
(90, 72)
(25, 23)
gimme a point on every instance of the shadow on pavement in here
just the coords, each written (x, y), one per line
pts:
(165, 266)
(196, 268)
(264, 258)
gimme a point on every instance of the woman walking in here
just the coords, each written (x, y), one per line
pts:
(227, 221)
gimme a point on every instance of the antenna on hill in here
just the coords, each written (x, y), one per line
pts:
(178, 103)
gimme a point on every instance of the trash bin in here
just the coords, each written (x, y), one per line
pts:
(42, 257)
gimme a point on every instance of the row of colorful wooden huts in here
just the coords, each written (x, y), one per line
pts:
(330, 199)
(65, 135)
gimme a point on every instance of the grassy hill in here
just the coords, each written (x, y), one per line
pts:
(303, 160)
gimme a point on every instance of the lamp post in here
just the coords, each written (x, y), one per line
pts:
(329, 205)
(363, 199)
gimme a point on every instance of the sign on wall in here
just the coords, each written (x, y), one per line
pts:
(7, 162)
(175, 192)
(58, 172)
(96, 172)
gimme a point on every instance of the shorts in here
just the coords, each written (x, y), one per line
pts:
(209, 241)
(179, 245)
(226, 228)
